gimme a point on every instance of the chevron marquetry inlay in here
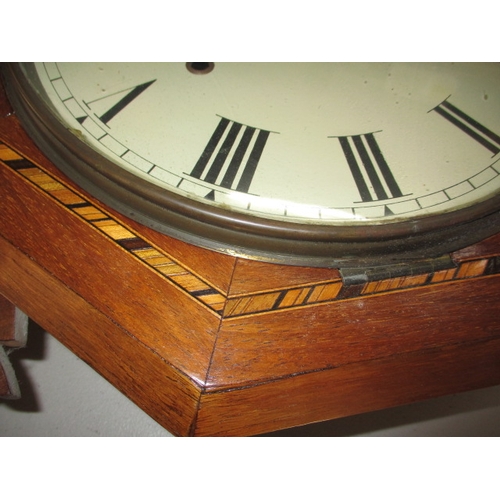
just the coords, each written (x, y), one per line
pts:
(266, 301)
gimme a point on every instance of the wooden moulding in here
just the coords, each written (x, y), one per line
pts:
(353, 331)
(350, 389)
(208, 344)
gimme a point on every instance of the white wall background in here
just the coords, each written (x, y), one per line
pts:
(62, 396)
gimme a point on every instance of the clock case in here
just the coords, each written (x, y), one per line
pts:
(211, 344)
(410, 246)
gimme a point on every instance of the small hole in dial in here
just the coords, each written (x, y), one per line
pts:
(200, 68)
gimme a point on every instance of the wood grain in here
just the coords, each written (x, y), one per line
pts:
(486, 248)
(165, 393)
(208, 344)
(129, 292)
(350, 389)
(276, 345)
(219, 272)
(250, 276)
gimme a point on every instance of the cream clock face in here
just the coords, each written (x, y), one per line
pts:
(308, 152)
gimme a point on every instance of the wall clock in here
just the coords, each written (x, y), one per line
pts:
(151, 232)
(335, 165)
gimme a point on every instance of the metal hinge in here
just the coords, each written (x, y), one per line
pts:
(359, 275)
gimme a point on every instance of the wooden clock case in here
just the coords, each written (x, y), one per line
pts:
(211, 344)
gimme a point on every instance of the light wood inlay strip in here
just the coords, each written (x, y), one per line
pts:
(196, 287)
(199, 289)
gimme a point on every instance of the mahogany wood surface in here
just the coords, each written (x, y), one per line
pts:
(210, 344)
(350, 389)
(352, 331)
(130, 365)
(107, 276)
(254, 277)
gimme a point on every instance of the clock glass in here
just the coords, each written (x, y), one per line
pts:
(299, 162)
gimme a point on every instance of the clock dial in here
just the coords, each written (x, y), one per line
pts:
(300, 155)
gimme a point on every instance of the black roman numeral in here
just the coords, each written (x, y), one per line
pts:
(369, 168)
(471, 127)
(117, 106)
(223, 162)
